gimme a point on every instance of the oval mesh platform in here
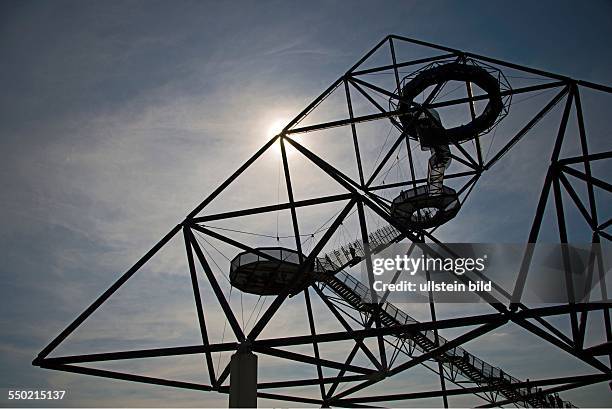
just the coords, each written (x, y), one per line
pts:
(255, 274)
(418, 209)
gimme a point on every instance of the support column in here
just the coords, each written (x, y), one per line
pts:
(243, 380)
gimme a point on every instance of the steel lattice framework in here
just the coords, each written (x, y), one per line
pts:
(363, 194)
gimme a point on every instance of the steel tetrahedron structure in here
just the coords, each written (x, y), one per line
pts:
(410, 96)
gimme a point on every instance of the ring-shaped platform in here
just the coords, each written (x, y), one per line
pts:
(453, 71)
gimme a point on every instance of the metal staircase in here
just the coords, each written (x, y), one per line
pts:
(457, 360)
(352, 253)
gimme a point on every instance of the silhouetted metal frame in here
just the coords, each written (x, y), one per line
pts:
(361, 194)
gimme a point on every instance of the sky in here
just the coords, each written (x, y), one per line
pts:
(117, 118)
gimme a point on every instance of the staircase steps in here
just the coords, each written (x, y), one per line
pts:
(331, 275)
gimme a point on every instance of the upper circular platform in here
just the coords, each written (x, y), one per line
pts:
(420, 124)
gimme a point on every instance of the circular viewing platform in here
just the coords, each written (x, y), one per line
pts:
(418, 209)
(253, 273)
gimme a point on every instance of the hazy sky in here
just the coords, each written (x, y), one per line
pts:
(117, 118)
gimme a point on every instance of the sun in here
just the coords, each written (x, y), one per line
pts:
(274, 129)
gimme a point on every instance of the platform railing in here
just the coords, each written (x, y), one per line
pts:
(355, 250)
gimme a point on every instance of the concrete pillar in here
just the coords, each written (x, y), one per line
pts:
(243, 380)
